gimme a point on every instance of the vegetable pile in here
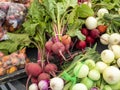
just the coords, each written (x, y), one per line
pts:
(66, 33)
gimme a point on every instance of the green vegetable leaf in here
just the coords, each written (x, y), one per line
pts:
(84, 11)
(80, 35)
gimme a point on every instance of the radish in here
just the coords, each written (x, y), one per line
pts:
(33, 87)
(43, 85)
(107, 56)
(116, 50)
(101, 12)
(104, 39)
(32, 69)
(58, 48)
(85, 31)
(43, 76)
(89, 40)
(56, 83)
(51, 68)
(91, 22)
(111, 75)
(79, 86)
(34, 80)
(81, 45)
(94, 33)
(114, 38)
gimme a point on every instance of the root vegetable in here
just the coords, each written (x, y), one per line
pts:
(85, 31)
(114, 38)
(107, 56)
(90, 63)
(104, 39)
(66, 39)
(89, 40)
(102, 28)
(111, 75)
(81, 70)
(12, 69)
(79, 86)
(116, 50)
(51, 68)
(94, 33)
(81, 45)
(101, 12)
(34, 80)
(56, 83)
(48, 45)
(33, 87)
(43, 85)
(94, 74)
(58, 48)
(91, 22)
(101, 66)
(43, 76)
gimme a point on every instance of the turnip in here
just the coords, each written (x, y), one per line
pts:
(81, 70)
(88, 82)
(111, 75)
(101, 66)
(118, 62)
(94, 74)
(107, 87)
(56, 83)
(43, 76)
(79, 86)
(43, 85)
(90, 63)
(101, 12)
(107, 56)
(104, 39)
(114, 38)
(33, 87)
(116, 50)
(91, 22)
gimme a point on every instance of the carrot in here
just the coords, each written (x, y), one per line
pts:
(102, 28)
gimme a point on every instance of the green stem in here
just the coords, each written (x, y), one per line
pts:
(67, 86)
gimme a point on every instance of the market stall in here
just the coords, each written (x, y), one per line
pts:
(60, 44)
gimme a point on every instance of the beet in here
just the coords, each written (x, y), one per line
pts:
(50, 67)
(94, 33)
(58, 47)
(43, 76)
(48, 45)
(33, 69)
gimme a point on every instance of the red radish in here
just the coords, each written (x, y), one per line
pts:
(43, 76)
(58, 48)
(85, 31)
(48, 45)
(32, 69)
(81, 45)
(102, 28)
(90, 40)
(51, 68)
(94, 33)
(34, 80)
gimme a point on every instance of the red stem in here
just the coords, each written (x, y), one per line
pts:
(29, 77)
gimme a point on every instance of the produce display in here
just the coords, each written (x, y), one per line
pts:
(66, 34)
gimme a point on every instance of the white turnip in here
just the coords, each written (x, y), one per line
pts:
(56, 83)
(33, 87)
(91, 22)
(101, 12)
(111, 75)
(114, 38)
(79, 86)
(104, 39)
(107, 56)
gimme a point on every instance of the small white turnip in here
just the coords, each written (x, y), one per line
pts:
(104, 39)
(101, 12)
(91, 22)
(114, 38)
(33, 87)
(79, 86)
